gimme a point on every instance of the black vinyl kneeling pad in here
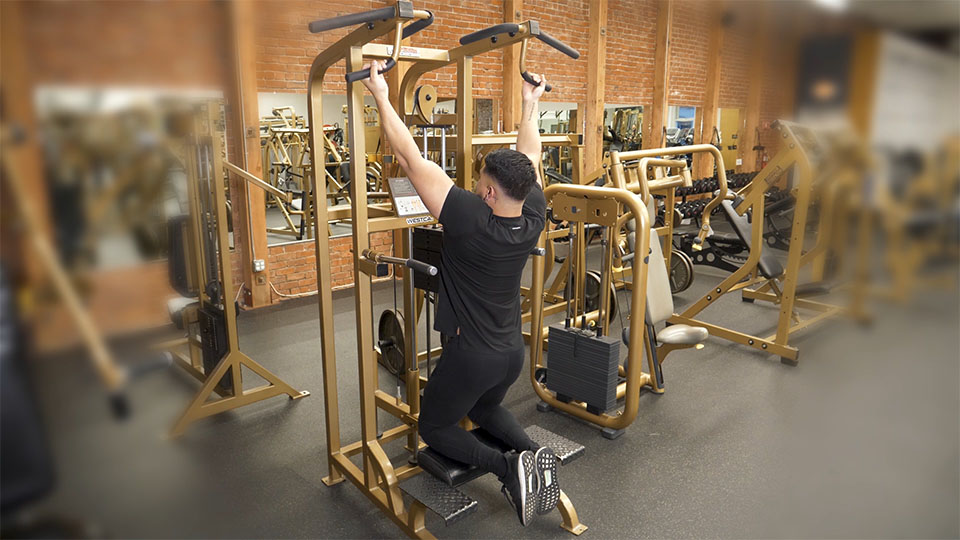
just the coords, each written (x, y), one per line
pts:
(452, 472)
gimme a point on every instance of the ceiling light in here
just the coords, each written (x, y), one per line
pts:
(833, 5)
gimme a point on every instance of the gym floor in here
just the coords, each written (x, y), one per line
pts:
(861, 440)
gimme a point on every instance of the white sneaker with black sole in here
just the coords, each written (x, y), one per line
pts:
(549, 494)
(522, 485)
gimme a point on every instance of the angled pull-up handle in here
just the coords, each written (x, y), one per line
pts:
(558, 45)
(551, 41)
(403, 10)
(511, 29)
(529, 78)
(359, 75)
(424, 19)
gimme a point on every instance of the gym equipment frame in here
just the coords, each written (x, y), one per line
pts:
(213, 280)
(113, 377)
(755, 271)
(376, 476)
(602, 206)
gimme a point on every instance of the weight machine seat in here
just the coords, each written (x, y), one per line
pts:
(297, 204)
(768, 265)
(454, 473)
(782, 204)
(176, 306)
(660, 301)
(682, 334)
(816, 288)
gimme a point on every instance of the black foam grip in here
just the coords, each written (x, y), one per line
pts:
(538, 251)
(355, 76)
(502, 28)
(421, 267)
(527, 77)
(417, 25)
(558, 45)
(351, 19)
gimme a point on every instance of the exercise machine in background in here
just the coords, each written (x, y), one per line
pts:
(201, 271)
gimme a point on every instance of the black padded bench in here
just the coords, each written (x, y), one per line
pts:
(768, 265)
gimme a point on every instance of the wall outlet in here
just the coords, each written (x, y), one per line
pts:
(259, 265)
(739, 161)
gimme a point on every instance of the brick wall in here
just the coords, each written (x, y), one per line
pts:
(295, 270)
(568, 21)
(631, 51)
(120, 301)
(690, 39)
(286, 49)
(127, 42)
(735, 65)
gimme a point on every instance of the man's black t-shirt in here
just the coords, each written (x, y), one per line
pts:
(483, 258)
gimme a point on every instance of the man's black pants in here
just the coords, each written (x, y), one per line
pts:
(472, 384)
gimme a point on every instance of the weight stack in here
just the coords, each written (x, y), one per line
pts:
(427, 245)
(213, 342)
(583, 367)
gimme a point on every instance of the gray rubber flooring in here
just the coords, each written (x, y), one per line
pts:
(861, 440)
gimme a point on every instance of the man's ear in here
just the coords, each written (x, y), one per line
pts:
(494, 190)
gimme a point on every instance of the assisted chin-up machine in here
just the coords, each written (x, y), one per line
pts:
(377, 477)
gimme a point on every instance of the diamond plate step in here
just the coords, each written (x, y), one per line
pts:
(446, 501)
(565, 449)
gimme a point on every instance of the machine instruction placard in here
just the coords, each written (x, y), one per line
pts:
(406, 200)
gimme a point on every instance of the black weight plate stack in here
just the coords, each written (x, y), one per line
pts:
(583, 367)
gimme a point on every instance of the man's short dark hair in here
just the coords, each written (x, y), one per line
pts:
(512, 171)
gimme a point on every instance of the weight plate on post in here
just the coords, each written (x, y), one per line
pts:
(390, 339)
(592, 292)
(681, 271)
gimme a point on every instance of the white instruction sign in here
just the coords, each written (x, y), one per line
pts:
(406, 200)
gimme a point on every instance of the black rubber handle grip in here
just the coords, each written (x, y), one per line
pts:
(421, 267)
(538, 251)
(526, 76)
(332, 23)
(355, 76)
(502, 28)
(417, 25)
(558, 45)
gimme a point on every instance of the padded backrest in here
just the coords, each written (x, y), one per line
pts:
(740, 224)
(768, 265)
(659, 295)
(632, 225)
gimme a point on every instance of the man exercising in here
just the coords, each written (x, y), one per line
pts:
(487, 237)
